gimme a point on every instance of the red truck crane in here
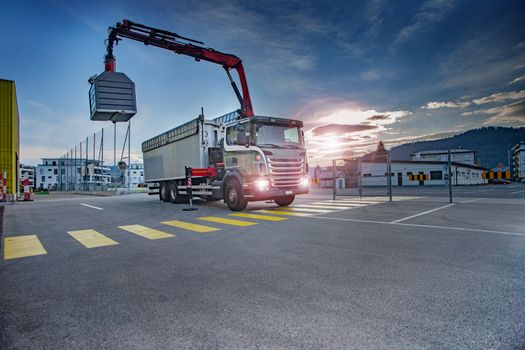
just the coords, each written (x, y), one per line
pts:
(237, 157)
(180, 45)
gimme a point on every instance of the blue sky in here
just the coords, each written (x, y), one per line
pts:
(355, 72)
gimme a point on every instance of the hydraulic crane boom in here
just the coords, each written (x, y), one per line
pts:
(181, 45)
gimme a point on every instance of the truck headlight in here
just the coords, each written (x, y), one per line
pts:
(262, 184)
(305, 182)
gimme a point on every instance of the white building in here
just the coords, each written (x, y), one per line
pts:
(375, 173)
(518, 161)
(136, 174)
(27, 172)
(466, 156)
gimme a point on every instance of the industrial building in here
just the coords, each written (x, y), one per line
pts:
(375, 173)
(460, 155)
(518, 161)
(9, 137)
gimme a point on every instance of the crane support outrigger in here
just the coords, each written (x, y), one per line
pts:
(180, 45)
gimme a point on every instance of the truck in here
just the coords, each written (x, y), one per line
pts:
(238, 157)
(235, 159)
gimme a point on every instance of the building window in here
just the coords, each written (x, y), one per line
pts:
(49, 177)
(41, 171)
(436, 175)
(54, 163)
(56, 171)
(43, 179)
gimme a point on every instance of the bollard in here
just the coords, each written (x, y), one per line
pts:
(188, 189)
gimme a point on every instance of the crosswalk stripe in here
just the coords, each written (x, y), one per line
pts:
(281, 212)
(259, 217)
(319, 206)
(189, 226)
(227, 221)
(307, 210)
(146, 232)
(22, 246)
(341, 204)
(91, 238)
(355, 201)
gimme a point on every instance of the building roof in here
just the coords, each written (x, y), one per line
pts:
(464, 165)
(457, 150)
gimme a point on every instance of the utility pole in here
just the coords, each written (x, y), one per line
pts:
(359, 178)
(333, 176)
(389, 178)
(449, 176)
(129, 156)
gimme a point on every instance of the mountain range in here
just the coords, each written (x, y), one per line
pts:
(492, 144)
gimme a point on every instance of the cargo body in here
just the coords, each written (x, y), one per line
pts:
(234, 159)
(9, 140)
(167, 155)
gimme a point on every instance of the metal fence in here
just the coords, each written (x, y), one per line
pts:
(449, 176)
(99, 162)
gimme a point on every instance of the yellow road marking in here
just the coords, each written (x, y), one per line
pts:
(22, 246)
(281, 212)
(91, 238)
(260, 217)
(189, 226)
(146, 232)
(308, 210)
(228, 221)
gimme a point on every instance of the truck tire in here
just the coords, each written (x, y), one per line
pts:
(163, 192)
(175, 196)
(233, 196)
(284, 201)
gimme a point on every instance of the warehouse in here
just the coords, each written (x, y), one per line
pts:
(9, 137)
(375, 173)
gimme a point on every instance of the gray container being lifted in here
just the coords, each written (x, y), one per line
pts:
(112, 97)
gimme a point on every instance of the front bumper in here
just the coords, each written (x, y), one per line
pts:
(253, 194)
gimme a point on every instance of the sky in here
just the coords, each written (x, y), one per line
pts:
(355, 72)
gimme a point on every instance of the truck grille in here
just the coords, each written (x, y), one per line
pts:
(285, 172)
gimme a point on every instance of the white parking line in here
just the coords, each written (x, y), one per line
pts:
(517, 192)
(421, 225)
(423, 213)
(90, 206)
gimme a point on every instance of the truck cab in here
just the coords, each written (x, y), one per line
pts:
(264, 159)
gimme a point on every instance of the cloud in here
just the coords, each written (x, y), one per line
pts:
(500, 96)
(449, 104)
(330, 129)
(431, 13)
(379, 117)
(517, 80)
(513, 113)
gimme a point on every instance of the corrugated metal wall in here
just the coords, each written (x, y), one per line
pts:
(9, 134)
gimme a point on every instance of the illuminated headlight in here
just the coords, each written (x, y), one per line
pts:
(262, 185)
(305, 182)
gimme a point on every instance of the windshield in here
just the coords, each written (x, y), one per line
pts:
(278, 136)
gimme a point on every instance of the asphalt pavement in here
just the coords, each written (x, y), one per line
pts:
(130, 272)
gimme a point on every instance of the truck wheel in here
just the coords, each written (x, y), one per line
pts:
(175, 196)
(233, 196)
(163, 192)
(284, 201)
(172, 192)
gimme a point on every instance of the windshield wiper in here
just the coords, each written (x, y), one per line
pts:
(290, 146)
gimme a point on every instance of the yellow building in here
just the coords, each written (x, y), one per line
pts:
(9, 135)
